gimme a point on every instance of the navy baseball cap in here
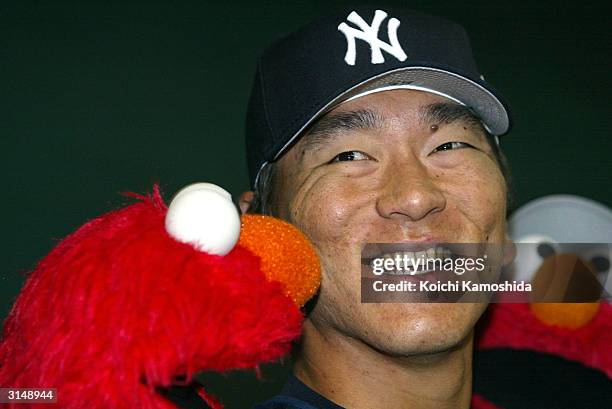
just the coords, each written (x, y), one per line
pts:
(353, 53)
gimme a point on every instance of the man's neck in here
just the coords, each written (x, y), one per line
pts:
(356, 376)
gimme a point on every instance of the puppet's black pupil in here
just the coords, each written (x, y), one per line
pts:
(601, 263)
(545, 250)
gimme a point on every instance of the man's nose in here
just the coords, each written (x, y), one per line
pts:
(410, 192)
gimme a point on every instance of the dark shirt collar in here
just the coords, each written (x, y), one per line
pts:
(297, 389)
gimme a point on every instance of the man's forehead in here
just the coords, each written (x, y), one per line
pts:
(377, 110)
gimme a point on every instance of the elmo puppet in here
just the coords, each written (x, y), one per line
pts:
(553, 355)
(134, 303)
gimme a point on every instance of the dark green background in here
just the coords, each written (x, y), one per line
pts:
(99, 98)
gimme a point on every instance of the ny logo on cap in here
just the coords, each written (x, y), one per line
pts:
(369, 34)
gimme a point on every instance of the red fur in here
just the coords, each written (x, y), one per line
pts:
(478, 402)
(119, 308)
(210, 400)
(514, 326)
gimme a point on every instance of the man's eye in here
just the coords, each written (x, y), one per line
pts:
(452, 145)
(349, 156)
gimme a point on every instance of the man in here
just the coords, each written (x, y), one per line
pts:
(372, 126)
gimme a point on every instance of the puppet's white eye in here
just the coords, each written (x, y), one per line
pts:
(204, 216)
(531, 250)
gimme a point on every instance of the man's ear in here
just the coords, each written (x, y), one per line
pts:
(245, 201)
(509, 250)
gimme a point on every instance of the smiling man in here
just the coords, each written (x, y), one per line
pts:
(374, 126)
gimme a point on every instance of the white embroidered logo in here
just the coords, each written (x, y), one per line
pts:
(369, 34)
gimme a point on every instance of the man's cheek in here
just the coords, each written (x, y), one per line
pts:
(327, 214)
(485, 205)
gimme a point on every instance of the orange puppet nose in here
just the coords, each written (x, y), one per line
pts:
(566, 277)
(565, 315)
(286, 255)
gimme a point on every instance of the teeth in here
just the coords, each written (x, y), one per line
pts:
(430, 253)
(408, 254)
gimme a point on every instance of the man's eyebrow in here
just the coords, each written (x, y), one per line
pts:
(446, 113)
(331, 125)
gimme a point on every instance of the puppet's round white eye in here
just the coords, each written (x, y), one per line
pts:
(204, 216)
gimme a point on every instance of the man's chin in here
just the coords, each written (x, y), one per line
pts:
(417, 329)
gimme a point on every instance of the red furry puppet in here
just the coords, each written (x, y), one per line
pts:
(552, 355)
(137, 301)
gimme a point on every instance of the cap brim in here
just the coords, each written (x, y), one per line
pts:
(455, 87)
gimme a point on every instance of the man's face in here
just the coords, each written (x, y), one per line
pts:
(391, 167)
